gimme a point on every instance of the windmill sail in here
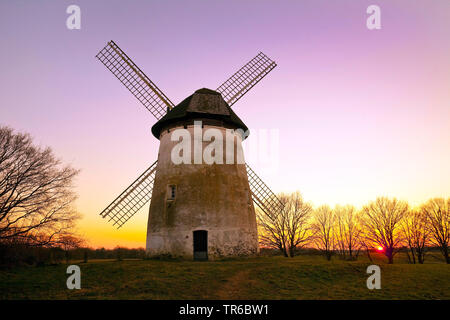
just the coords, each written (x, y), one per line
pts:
(134, 79)
(132, 199)
(262, 195)
(245, 78)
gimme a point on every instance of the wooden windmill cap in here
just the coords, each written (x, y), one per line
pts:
(206, 105)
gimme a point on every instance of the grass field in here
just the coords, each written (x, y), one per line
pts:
(303, 277)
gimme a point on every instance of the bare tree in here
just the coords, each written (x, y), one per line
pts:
(366, 246)
(348, 232)
(68, 243)
(323, 230)
(416, 233)
(36, 197)
(286, 229)
(297, 213)
(438, 214)
(381, 221)
(273, 229)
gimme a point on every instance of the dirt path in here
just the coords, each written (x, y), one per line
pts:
(234, 287)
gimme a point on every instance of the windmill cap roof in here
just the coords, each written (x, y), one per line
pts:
(202, 104)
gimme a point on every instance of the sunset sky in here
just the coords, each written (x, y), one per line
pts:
(359, 113)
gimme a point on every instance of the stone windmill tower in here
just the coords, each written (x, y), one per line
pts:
(200, 207)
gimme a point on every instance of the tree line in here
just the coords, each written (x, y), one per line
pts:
(37, 215)
(385, 223)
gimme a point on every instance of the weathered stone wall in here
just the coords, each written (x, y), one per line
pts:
(213, 197)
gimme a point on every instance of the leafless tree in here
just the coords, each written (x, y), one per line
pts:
(36, 197)
(272, 227)
(323, 230)
(285, 229)
(438, 214)
(69, 242)
(366, 246)
(415, 230)
(348, 232)
(297, 213)
(381, 221)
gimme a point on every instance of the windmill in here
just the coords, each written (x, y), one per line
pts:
(196, 210)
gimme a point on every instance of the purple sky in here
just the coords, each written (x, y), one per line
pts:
(360, 113)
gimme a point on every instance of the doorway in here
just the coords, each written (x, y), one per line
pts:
(201, 245)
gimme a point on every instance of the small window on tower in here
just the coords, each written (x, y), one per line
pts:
(171, 192)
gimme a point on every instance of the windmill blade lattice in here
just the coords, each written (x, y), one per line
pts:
(262, 195)
(134, 79)
(245, 78)
(132, 199)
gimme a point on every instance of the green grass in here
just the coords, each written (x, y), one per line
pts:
(303, 277)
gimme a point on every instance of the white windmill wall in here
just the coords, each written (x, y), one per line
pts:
(215, 198)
